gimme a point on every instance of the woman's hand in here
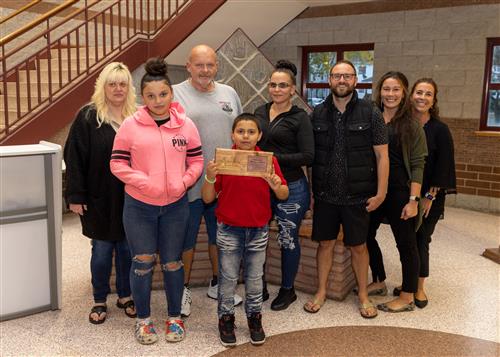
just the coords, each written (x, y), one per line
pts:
(212, 170)
(426, 204)
(77, 208)
(409, 210)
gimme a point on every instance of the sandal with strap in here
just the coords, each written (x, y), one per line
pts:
(127, 305)
(99, 310)
(313, 306)
(364, 310)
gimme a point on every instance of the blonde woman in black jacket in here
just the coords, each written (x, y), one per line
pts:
(94, 193)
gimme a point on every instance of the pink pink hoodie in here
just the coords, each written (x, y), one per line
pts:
(157, 164)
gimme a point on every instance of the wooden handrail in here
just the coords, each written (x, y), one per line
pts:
(36, 22)
(18, 11)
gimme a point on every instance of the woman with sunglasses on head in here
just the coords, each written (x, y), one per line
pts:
(94, 193)
(439, 173)
(287, 132)
(407, 151)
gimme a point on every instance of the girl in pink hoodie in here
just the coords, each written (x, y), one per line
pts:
(157, 154)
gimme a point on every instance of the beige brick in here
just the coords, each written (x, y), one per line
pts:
(404, 63)
(369, 34)
(388, 49)
(390, 19)
(493, 29)
(403, 34)
(450, 109)
(297, 39)
(453, 15)
(474, 76)
(417, 48)
(346, 36)
(333, 23)
(471, 110)
(438, 31)
(447, 47)
(321, 38)
(308, 25)
(469, 30)
(291, 27)
(420, 17)
(476, 46)
(449, 77)
(361, 21)
(463, 93)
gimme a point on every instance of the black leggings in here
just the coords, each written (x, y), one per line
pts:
(424, 233)
(405, 236)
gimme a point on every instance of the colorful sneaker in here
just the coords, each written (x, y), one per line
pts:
(145, 332)
(257, 335)
(212, 293)
(174, 331)
(226, 331)
(186, 302)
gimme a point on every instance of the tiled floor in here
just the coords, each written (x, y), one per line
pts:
(463, 291)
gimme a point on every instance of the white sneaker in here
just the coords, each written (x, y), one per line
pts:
(212, 293)
(186, 302)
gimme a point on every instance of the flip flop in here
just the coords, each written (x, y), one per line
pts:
(363, 310)
(314, 306)
(127, 305)
(99, 310)
(374, 292)
(387, 308)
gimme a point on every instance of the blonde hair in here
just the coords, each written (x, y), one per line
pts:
(113, 72)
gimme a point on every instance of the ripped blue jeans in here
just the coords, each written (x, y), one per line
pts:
(288, 215)
(234, 245)
(150, 230)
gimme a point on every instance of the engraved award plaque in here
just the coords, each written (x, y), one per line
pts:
(244, 162)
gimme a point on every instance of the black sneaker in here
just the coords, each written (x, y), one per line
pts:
(257, 335)
(284, 299)
(265, 293)
(226, 331)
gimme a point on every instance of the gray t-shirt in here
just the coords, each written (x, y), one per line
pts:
(213, 114)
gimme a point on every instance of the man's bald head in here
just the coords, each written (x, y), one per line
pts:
(202, 66)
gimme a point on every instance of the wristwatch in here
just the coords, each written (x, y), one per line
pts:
(414, 198)
(429, 196)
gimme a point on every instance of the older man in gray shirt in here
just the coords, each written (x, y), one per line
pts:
(212, 107)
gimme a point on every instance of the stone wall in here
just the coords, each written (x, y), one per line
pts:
(448, 44)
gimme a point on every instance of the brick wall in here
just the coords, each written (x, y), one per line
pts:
(446, 43)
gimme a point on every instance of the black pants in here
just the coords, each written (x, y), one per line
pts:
(405, 236)
(424, 233)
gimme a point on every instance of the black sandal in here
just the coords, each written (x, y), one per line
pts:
(99, 310)
(129, 304)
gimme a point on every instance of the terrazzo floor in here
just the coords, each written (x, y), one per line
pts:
(463, 290)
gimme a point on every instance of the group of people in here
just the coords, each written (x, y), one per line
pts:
(142, 178)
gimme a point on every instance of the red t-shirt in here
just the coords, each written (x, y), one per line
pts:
(245, 201)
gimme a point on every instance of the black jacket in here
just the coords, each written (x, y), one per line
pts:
(88, 177)
(360, 163)
(439, 170)
(289, 136)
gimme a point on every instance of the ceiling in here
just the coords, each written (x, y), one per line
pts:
(259, 19)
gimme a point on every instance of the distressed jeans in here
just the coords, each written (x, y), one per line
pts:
(150, 230)
(101, 263)
(235, 244)
(288, 215)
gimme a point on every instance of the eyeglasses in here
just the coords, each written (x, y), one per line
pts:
(347, 76)
(281, 85)
(117, 84)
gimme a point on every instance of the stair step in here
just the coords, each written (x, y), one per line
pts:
(23, 89)
(82, 51)
(12, 102)
(44, 75)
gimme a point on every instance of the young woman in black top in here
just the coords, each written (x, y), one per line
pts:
(287, 132)
(439, 172)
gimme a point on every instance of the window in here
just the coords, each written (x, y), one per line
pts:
(490, 111)
(316, 64)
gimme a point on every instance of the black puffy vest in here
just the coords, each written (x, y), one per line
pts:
(360, 164)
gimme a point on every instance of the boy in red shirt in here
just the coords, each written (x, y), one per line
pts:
(243, 212)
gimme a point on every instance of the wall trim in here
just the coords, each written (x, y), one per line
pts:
(370, 7)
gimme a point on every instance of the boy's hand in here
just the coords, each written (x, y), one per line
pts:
(274, 181)
(212, 170)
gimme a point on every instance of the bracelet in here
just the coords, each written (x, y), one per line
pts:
(429, 196)
(210, 181)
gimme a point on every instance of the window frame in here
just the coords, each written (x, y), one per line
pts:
(491, 42)
(339, 49)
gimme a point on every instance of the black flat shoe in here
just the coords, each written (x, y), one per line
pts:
(396, 291)
(421, 303)
(265, 294)
(284, 299)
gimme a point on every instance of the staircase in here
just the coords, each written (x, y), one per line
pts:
(39, 94)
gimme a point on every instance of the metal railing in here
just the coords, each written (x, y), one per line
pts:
(70, 50)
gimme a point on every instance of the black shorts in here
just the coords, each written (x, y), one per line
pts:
(328, 217)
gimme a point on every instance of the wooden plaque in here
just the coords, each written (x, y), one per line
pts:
(244, 162)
